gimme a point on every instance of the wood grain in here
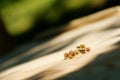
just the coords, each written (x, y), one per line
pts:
(101, 32)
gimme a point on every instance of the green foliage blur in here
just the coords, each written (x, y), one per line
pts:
(22, 20)
(21, 16)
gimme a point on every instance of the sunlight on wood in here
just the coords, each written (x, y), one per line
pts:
(97, 36)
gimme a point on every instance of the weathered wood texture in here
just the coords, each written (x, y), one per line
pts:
(100, 31)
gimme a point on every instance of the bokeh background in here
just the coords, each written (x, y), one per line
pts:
(22, 21)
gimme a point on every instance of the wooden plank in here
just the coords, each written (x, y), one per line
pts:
(101, 32)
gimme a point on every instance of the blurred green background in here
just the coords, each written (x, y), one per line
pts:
(22, 20)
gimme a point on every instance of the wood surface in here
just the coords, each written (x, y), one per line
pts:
(45, 61)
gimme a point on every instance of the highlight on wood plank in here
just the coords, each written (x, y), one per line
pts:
(101, 41)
